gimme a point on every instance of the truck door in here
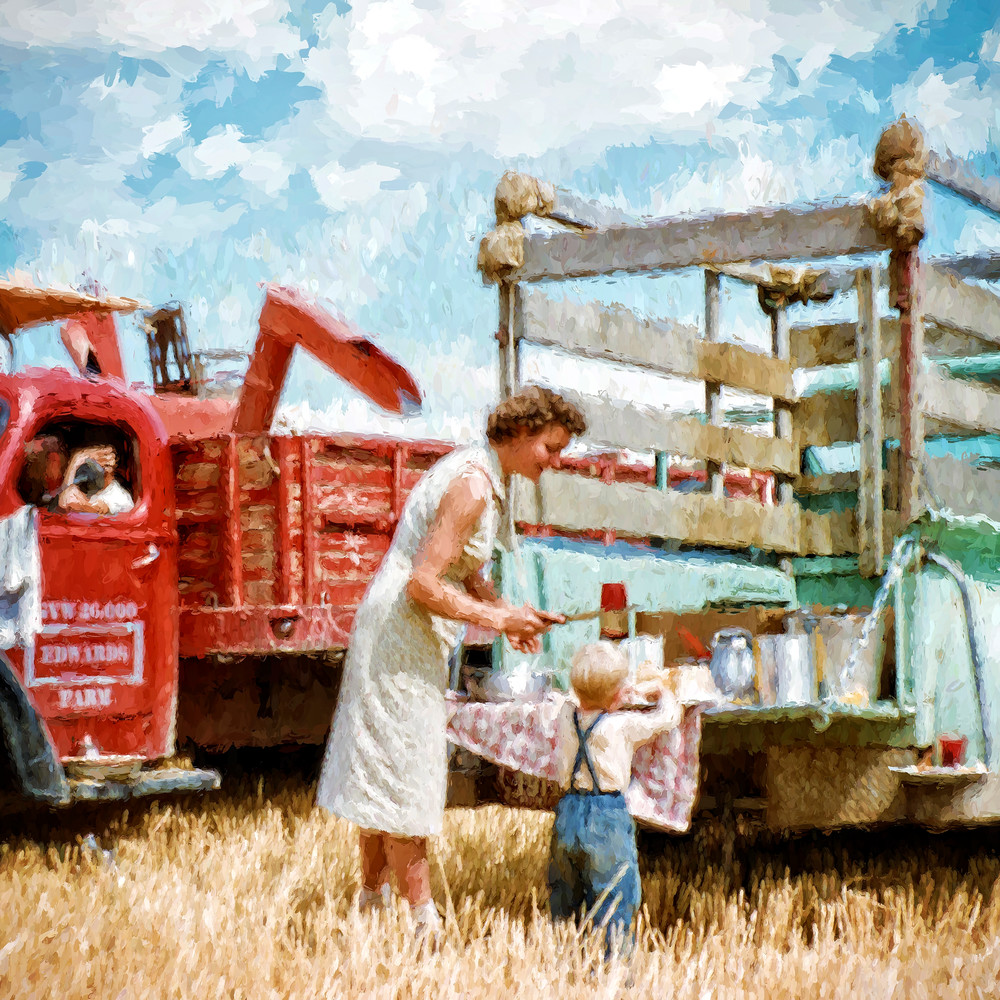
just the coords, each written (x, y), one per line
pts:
(103, 671)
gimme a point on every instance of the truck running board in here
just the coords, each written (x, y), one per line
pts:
(173, 780)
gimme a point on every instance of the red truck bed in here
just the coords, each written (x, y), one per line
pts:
(279, 536)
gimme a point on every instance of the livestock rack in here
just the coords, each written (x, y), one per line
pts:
(909, 523)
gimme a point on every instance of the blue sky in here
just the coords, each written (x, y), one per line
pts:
(188, 152)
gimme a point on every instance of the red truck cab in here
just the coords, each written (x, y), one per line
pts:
(102, 672)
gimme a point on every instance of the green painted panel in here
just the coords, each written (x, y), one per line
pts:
(567, 576)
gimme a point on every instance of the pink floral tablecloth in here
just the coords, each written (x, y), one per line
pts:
(525, 736)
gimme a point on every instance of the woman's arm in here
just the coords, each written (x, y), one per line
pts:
(458, 512)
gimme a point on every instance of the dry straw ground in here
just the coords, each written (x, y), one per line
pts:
(247, 894)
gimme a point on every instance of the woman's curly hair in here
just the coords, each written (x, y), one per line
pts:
(533, 409)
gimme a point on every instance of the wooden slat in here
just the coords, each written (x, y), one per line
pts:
(713, 391)
(960, 404)
(962, 487)
(831, 482)
(957, 176)
(643, 428)
(776, 233)
(575, 503)
(827, 282)
(614, 333)
(953, 303)
(868, 345)
(825, 419)
(985, 265)
(576, 211)
(833, 343)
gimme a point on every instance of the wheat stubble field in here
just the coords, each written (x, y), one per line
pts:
(246, 894)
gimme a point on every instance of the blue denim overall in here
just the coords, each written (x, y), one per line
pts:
(593, 852)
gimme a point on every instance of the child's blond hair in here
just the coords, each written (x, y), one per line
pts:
(599, 670)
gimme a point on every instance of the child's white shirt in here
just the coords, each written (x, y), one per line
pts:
(613, 742)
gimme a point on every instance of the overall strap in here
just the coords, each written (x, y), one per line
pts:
(583, 753)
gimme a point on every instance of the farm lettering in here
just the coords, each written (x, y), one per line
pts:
(85, 698)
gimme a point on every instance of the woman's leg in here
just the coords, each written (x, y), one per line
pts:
(374, 860)
(408, 859)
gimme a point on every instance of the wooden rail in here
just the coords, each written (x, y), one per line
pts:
(644, 428)
(576, 503)
(614, 333)
(670, 244)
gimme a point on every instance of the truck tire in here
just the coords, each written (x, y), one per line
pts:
(34, 768)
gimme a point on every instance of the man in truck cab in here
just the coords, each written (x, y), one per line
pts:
(90, 485)
(85, 482)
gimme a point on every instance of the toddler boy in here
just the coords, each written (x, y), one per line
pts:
(593, 861)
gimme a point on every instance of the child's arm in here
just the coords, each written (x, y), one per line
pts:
(641, 727)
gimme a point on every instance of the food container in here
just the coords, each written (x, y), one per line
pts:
(732, 664)
(645, 656)
(786, 670)
(838, 637)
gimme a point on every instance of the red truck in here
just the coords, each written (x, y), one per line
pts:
(214, 612)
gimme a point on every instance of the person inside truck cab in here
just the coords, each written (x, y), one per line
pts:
(90, 485)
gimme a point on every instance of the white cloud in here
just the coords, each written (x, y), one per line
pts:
(337, 188)
(955, 111)
(250, 29)
(217, 153)
(519, 78)
(267, 170)
(162, 135)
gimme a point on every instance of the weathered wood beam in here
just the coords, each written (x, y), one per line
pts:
(963, 487)
(643, 428)
(985, 266)
(870, 427)
(953, 303)
(614, 333)
(713, 390)
(833, 343)
(582, 213)
(576, 503)
(662, 245)
(956, 403)
(954, 174)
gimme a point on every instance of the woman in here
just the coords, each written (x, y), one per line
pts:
(385, 766)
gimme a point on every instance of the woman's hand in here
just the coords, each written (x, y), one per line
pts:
(523, 627)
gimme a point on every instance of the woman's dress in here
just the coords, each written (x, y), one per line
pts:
(386, 763)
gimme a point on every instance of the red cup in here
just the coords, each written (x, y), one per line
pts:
(613, 597)
(952, 750)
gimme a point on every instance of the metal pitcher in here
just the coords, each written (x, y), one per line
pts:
(732, 663)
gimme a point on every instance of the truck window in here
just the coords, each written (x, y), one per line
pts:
(81, 467)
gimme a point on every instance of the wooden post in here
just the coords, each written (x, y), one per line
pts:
(713, 390)
(908, 286)
(870, 430)
(309, 525)
(510, 368)
(233, 538)
(510, 375)
(287, 593)
(781, 346)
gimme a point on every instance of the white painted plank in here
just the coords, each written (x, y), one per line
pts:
(667, 244)
(957, 403)
(576, 503)
(953, 303)
(614, 333)
(962, 487)
(617, 424)
(957, 176)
